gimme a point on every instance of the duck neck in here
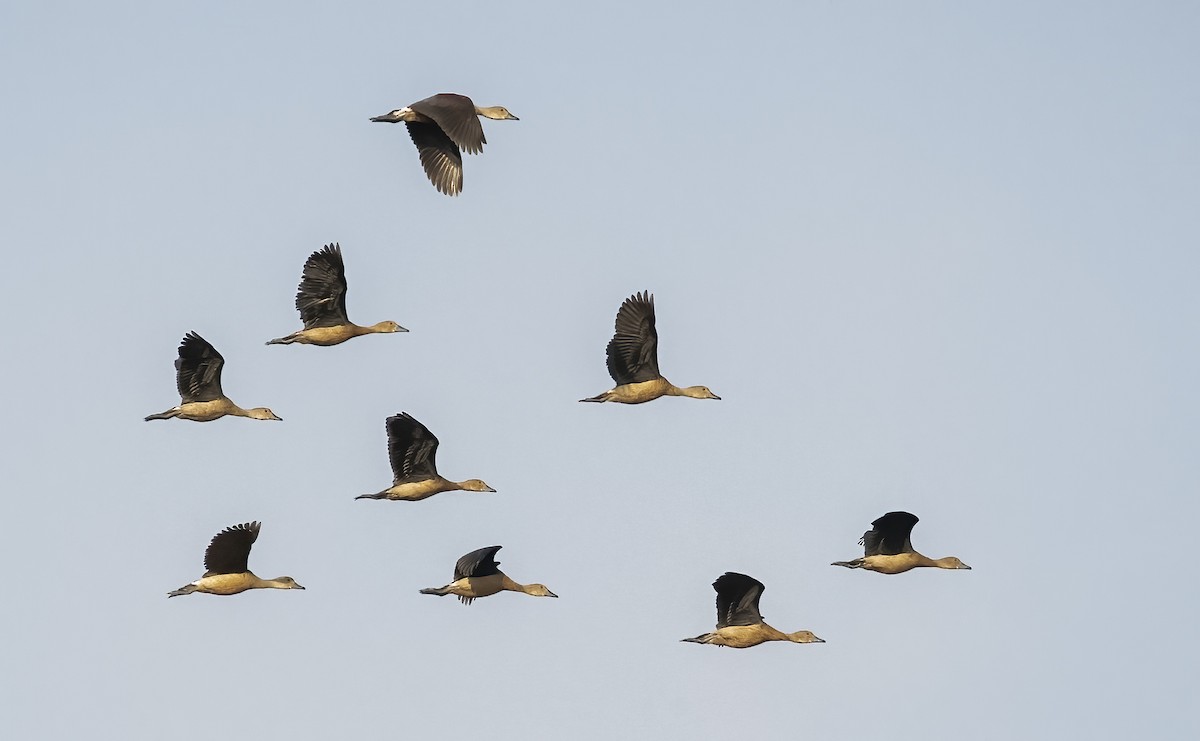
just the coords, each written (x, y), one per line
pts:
(694, 392)
(512, 586)
(275, 583)
(492, 112)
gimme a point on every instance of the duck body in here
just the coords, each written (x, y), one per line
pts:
(226, 560)
(321, 301)
(412, 450)
(739, 622)
(329, 336)
(416, 490)
(632, 358)
(477, 574)
(746, 636)
(442, 127)
(198, 379)
(887, 548)
(227, 584)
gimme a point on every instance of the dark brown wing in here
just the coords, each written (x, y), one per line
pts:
(455, 115)
(890, 535)
(321, 298)
(229, 551)
(633, 350)
(198, 370)
(412, 449)
(439, 156)
(478, 563)
(737, 599)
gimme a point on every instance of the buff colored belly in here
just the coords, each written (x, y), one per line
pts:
(226, 583)
(204, 411)
(639, 393)
(415, 491)
(477, 586)
(740, 636)
(897, 564)
(326, 336)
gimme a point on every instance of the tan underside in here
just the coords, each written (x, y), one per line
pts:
(415, 491)
(227, 583)
(896, 564)
(480, 586)
(744, 636)
(639, 393)
(207, 411)
(326, 336)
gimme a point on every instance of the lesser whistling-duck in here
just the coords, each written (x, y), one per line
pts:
(198, 377)
(412, 449)
(476, 575)
(443, 126)
(633, 358)
(739, 623)
(226, 569)
(321, 301)
(888, 548)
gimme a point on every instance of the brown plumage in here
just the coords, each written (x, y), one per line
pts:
(633, 358)
(226, 563)
(739, 623)
(321, 301)
(198, 378)
(442, 127)
(888, 548)
(477, 575)
(412, 449)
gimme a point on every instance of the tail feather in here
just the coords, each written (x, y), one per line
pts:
(376, 495)
(439, 591)
(598, 398)
(855, 564)
(163, 415)
(185, 589)
(282, 340)
(702, 638)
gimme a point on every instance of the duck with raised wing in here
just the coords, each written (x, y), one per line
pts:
(412, 449)
(739, 623)
(198, 377)
(442, 127)
(321, 301)
(226, 565)
(633, 358)
(888, 548)
(476, 575)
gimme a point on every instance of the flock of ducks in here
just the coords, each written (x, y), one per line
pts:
(442, 127)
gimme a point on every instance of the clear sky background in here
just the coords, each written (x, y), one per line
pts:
(939, 257)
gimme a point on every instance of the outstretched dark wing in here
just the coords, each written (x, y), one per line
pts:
(321, 298)
(478, 563)
(737, 599)
(439, 156)
(455, 115)
(890, 535)
(633, 350)
(412, 449)
(198, 370)
(229, 551)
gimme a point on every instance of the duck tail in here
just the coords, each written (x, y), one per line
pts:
(702, 638)
(439, 591)
(185, 589)
(376, 495)
(282, 340)
(598, 398)
(164, 415)
(855, 564)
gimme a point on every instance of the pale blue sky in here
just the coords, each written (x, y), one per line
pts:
(939, 257)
